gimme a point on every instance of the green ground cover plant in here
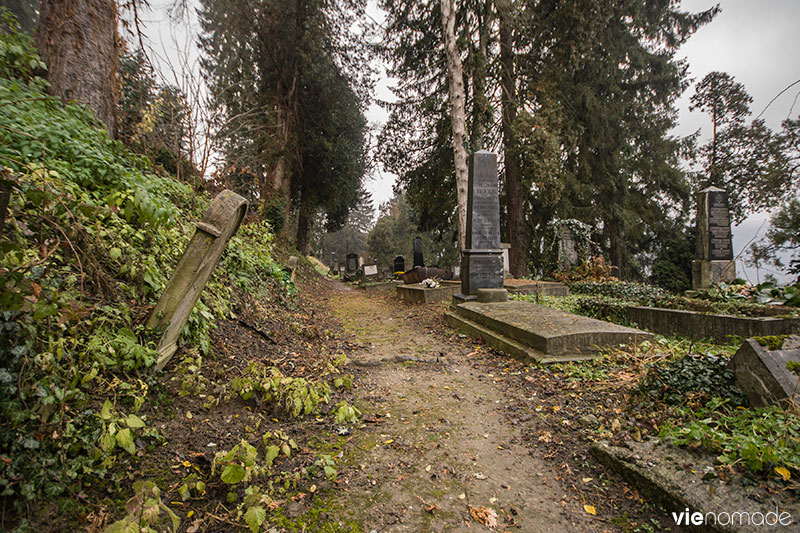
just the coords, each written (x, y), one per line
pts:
(89, 239)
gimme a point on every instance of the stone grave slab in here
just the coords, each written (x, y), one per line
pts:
(761, 373)
(400, 264)
(418, 293)
(219, 223)
(544, 288)
(548, 334)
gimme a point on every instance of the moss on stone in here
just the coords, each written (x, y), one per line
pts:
(771, 342)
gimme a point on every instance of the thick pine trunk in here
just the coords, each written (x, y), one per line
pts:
(455, 77)
(77, 39)
(515, 216)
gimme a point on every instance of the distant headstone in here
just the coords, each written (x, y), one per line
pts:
(291, 264)
(418, 259)
(714, 253)
(506, 247)
(399, 264)
(761, 373)
(360, 261)
(567, 249)
(351, 265)
(482, 260)
(370, 270)
(333, 268)
(219, 223)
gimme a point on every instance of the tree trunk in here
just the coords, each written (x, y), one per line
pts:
(482, 112)
(77, 39)
(455, 77)
(515, 197)
(303, 226)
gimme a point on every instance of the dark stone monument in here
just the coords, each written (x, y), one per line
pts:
(351, 265)
(761, 372)
(399, 264)
(482, 260)
(714, 254)
(418, 261)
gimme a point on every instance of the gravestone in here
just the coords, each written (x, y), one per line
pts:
(291, 264)
(506, 247)
(761, 372)
(351, 265)
(418, 260)
(399, 264)
(567, 249)
(333, 268)
(714, 253)
(482, 260)
(369, 273)
(219, 223)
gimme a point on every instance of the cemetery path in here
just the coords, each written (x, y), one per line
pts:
(438, 452)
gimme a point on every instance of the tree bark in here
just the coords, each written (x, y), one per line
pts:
(77, 39)
(303, 226)
(455, 77)
(515, 197)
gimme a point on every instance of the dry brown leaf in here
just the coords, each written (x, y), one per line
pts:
(484, 515)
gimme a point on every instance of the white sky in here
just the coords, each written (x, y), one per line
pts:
(756, 42)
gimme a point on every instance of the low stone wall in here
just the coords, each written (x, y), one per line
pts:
(705, 325)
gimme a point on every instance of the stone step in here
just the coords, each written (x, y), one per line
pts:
(504, 344)
(549, 331)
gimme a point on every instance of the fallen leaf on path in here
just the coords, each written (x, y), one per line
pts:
(590, 509)
(479, 475)
(483, 515)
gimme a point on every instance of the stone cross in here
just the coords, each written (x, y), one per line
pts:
(482, 260)
(219, 223)
(714, 253)
(399, 264)
(418, 260)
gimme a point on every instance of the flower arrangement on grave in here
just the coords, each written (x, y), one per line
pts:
(431, 283)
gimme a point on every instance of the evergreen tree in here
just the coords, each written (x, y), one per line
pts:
(290, 78)
(750, 161)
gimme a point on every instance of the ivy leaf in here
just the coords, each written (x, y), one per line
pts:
(783, 472)
(232, 474)
(254, 517)
(272, 453)
(134, 421)
(105, 412)
(125, 439)
(115, 253)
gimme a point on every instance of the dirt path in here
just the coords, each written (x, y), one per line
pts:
(438, 452)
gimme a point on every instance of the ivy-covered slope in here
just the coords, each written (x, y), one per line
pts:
(87, 244)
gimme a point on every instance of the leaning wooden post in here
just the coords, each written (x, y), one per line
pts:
(219, 223)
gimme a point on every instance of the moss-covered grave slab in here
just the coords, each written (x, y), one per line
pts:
(687, 485)
(554, 335)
